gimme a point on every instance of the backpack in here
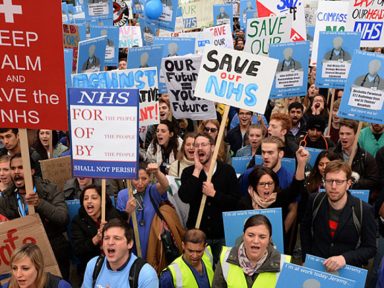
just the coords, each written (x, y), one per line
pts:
(357, 213)
(134, 272)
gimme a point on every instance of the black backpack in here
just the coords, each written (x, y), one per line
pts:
(134, 272)
(357, 213)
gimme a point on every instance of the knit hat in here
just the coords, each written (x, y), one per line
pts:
(316, 122)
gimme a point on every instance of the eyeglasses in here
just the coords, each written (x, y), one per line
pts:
(337, 181)
(201, 145)
(208, 130)
(265, 184)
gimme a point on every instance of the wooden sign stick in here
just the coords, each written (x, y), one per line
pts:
(213, 163)
(134, 220)
(330, 113)
(354, 149)
(50, 147)
(103, 198)
(28, 182)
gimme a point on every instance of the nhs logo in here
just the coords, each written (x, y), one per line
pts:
(369, 30)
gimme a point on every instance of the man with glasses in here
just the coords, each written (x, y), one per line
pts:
(222, 192)
(236, 136)
(337, 226)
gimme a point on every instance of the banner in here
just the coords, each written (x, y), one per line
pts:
(334, 58)
(104, 132)
(266, 8)
(292, 71)
(57, 170)
(222, 35)
(91, 55)
(261, 32)
(32, 91)
(366, 17)
(330, 16)
(130, 36)
(302, 277)
(144, 79)
(29, 229)
(350, 272)
(223, 14)
(364, 91)
(180, 78)
(112, 48)
(235, 78)
(234, 224)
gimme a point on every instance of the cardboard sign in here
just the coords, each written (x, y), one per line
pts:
(234, 223)
(57, 170)
(32, 92)
(266, 8)
(235, 78)
(366, 17)
(261, 32)
(350, 272)
(104, 132)
(130, 36)
(91, 55)
(292, 73)
(144, 79)
(222, 35)
(302, 277)
(180, 78)
(330, 16)
(334, 58)
(29, 229)
(364, 91)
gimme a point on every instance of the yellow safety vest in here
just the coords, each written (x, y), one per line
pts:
(183, 276)
(234, 275)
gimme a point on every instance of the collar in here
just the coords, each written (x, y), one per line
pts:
(122, 266)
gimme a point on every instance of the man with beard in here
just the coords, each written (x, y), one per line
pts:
(222, 192)
(314, 137)
(49, 204)
(371, 138)
(365, 172)
(235, 136)
(336, 225)
(298, 125)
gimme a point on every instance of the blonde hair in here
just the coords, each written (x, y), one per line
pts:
(33, 252)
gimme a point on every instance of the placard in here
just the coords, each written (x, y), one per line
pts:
(223, 14)
(130, 36)
(57, 170)
(112, 48)
(104, 132)
(91, 55)
(222, 35)
(261, 32)
(234, 224)
(364, 91)
(235, 78)
(122, 12)
(202, 38)
(197, 13)
(32, 92)
(96, 9)
(181, 74)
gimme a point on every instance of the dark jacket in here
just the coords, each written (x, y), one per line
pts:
(227, 192)
(235, 139)
(301, 132)
(271, 264)
(364, 164)
(346, 237)
(83, 230)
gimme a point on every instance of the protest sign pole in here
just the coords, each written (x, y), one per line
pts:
(50, 147)
(213, 163)
(330, 113)
(354, 149)
(103, 198)
(26, 165)
(134, 220)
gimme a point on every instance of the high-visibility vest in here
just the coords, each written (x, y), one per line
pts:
(183, 276)
(234, 274)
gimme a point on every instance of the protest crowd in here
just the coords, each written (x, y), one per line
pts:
(278, 177)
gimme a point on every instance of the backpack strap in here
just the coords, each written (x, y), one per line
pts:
(357, 217)
(135, 271)
(317, 201)
(97, 269)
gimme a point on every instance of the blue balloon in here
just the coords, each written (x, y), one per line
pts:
(153, 9)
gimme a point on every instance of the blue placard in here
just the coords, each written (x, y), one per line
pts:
(104, 132)
(363, 195)
(174, 47)
(334, 58)
(112, 48)
(350, 272)
(91, 55)
(313, 153)
(234, 224)
(291, 77)
(294, 276)
(240, 163)
(96, 9)
(364, 91)
(245, 6)
(167, 19)
(223, 14)
(149, 30)
(147, 56)
(68, 58)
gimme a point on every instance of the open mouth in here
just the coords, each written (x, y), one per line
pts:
(111, 252)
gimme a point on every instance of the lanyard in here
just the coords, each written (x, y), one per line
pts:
(23, 207)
